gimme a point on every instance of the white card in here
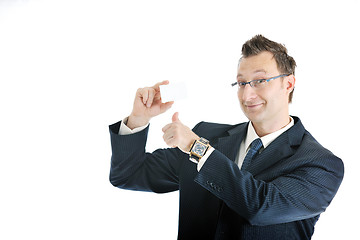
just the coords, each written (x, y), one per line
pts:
(173, 91)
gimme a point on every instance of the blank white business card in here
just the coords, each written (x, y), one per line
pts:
(173, 91)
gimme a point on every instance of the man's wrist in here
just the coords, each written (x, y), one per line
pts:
(135, 122)
(199, 149)
(193, 140)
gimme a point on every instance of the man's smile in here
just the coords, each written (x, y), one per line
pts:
(252, 106)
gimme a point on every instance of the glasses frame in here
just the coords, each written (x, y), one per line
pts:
(251, 83)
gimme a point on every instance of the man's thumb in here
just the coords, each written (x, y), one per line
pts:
(175, 117)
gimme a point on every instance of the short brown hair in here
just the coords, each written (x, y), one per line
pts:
(285, 63)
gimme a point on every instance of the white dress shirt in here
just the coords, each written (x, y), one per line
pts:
(125, 130)
(244, 146)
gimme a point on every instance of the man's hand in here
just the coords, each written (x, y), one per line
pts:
(178, 135)
(147, 104)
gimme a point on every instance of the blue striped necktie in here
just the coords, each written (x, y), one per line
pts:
(253, 150)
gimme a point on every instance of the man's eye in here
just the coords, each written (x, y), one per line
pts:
(258, 83)
(261, 81)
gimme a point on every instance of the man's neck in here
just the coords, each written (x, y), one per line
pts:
(265, 128)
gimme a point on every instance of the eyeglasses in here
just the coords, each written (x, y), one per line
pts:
(258, 83)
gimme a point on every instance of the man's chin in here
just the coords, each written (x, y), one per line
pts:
(254, 117)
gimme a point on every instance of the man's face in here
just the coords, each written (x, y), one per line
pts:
(270, 103)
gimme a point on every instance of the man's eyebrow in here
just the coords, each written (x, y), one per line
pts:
(260, 70)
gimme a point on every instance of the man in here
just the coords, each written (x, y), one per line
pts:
(264, 179)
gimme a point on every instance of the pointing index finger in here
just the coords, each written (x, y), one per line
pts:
(156, 86)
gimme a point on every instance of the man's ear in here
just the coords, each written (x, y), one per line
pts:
(290, 80)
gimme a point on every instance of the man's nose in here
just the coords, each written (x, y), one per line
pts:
(247, 93)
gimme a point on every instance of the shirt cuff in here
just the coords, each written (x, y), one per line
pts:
(204, 158)
(125, 130)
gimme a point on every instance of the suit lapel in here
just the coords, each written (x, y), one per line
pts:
(277, 150)
(280, 148)
(229, 145)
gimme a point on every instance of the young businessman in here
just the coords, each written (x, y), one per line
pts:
(263, 179)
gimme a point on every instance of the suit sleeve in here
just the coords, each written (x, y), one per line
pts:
(302, 193)
(133, 168)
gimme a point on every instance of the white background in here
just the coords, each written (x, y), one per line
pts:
(68, 69)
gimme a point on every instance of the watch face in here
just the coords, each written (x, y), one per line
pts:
(199, 149)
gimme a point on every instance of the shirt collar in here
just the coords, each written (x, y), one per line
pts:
(267, 139)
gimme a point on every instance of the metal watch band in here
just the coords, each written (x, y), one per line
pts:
(203, 140)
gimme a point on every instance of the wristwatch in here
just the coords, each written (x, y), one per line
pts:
(198, 149)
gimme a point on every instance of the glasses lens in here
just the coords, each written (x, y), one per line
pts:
(241, 84)
(258, 83)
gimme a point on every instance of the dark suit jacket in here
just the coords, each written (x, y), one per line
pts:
(279, 196)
